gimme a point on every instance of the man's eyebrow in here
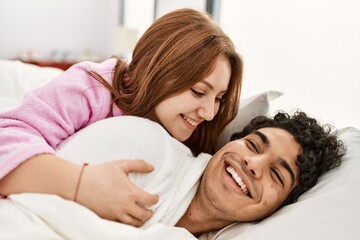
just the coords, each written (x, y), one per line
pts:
(263, 137)
(283, 163)
(288, 168)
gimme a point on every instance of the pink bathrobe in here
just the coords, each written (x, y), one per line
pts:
(52, 113)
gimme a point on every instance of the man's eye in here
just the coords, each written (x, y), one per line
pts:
(253, 146)
(277, 176)
(197, 93)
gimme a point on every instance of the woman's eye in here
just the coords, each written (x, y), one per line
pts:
(219, 99)
(197, 93)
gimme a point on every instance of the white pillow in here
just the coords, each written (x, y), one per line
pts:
(330, 210)
(7, 104)
(18, 77)
(249, 108)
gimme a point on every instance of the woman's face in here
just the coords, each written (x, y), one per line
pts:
(182, 113)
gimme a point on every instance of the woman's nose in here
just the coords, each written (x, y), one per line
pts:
(207, 110)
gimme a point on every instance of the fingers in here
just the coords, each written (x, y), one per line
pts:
(117, 198)
(136, 215)
(138, 212)
(130, 220)
(136, 166)
(146, 199)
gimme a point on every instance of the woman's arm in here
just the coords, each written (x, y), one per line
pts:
(51, 114)
(42, 174)
(104, 188)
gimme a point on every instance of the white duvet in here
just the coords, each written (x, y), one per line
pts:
(175, 180)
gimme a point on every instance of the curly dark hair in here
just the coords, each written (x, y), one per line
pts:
(321, 150)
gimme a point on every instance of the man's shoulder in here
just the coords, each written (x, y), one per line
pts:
(122, 137)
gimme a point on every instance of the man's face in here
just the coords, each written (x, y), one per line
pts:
(249, 178)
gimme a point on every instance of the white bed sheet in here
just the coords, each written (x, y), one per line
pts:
(42, 216)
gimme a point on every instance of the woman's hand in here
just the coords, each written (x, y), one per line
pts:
(104, 188)
(107, 190)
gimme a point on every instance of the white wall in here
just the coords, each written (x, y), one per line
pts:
(165, 6)
(309, 49)
(42, 26)
(139, 18)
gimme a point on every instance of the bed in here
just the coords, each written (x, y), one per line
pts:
(327, 211)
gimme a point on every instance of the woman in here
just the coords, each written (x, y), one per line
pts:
(185, 74)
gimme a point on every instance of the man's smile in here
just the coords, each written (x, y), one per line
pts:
(231, 171)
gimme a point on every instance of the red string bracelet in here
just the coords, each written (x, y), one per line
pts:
(79, 181)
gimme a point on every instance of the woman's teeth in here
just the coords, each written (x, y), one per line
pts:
(191, 122)
(237, 179)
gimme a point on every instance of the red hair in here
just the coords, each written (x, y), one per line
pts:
(178, 50)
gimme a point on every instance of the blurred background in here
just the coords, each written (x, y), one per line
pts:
(307, 49)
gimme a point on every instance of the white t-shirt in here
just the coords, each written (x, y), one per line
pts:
(177, 171)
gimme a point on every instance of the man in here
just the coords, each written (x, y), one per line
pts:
(266, 166)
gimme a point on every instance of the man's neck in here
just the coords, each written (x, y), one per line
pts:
(192, 222)
(198, 219)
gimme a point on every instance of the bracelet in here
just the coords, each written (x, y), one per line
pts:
(79, 181)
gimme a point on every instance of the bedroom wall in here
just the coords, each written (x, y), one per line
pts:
(67, 26)
(74, 27)
(165, 6)
(308, 49)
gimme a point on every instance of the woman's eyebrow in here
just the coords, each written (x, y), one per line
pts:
(210, 86)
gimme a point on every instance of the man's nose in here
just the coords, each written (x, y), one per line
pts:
(256, 165)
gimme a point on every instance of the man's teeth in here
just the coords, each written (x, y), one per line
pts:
(237, 179)
(191, 122)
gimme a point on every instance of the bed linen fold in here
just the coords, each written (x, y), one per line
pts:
(175, 179)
